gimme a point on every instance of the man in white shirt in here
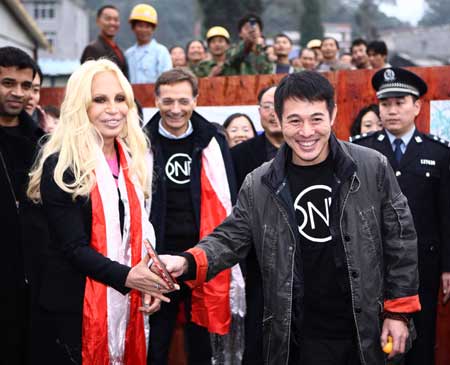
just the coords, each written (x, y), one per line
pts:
(147, 59)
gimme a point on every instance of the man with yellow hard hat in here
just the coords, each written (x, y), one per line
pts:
(147, 59)
(218, 40)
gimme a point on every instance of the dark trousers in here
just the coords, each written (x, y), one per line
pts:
(325, 352)
(15, 325)
(162, 325)
(422, 351)
(55, 339)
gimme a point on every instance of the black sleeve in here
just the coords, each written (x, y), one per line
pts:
(67, 225)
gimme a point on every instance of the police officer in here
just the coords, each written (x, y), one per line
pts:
(421, 163)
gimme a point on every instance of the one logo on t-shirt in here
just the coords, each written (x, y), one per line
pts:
(313, 204)
(178, 168)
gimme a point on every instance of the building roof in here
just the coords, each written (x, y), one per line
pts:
(27, 22)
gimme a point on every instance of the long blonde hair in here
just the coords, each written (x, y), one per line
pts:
(76, 140)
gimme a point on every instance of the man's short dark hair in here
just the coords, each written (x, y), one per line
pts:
(378, 47)
(104, 7)
(40, 74)
(176, 75)
(52, 110)
(246, 18)
(300, 54)
(333, 39)
(282, 35)
(15, 57)
(358, 42)
(263, 91)
(306, 85)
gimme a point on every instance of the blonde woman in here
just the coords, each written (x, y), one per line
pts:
(91, 178)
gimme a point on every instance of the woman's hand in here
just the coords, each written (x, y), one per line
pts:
(150, 305)
(143, 279)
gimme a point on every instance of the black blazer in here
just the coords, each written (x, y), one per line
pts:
(68, 258)
(247, 156)
(100, 48)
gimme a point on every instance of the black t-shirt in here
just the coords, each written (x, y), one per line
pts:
(181, 232)
(326, 303)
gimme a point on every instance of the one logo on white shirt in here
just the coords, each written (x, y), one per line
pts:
(315, 220)
(178, 168)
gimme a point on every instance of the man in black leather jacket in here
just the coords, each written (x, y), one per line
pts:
(333, 236)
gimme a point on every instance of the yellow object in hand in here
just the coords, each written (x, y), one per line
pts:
(388, 347)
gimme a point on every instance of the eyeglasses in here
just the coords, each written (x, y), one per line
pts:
(267, 106)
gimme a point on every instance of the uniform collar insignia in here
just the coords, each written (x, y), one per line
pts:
(381, 137)
(418, 139)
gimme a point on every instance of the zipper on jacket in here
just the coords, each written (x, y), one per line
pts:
(9, 182)
(286, 218)
(348, 267)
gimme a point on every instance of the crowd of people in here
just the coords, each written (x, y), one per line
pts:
(217, 56)
(281, 247)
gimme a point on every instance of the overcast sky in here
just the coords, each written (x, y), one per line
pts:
(406, 10)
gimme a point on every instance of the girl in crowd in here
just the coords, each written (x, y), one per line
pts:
(238, 127)
(367, 120)
(92, 177)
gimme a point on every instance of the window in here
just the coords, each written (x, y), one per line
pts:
(51, 37)
(44, 9)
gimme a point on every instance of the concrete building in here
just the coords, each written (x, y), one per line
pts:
(18, 29)
(425, 46)
(65, 24)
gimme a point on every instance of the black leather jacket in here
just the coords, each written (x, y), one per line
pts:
(369, 214)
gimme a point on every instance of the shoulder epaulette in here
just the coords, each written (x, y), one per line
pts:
(437, 139)
(359, 137)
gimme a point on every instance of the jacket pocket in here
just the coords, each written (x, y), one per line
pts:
(371, 229)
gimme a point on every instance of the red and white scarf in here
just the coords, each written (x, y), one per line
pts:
(211, 302)
(115, 332)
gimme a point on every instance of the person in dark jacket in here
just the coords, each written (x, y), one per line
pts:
(18, 140)
(108, 22)
(421, 163)
(251, 154)
(181, 140)
(333, 235)
(247, 156)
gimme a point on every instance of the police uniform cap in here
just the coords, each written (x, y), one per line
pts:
(394, 82)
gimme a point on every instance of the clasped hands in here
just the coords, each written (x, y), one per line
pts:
(141, 277)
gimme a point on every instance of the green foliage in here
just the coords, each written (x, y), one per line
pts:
(310, 21)
(438, 13)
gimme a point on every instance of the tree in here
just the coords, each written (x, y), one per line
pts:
(310, 21)
(368, 19)
(438, 13)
